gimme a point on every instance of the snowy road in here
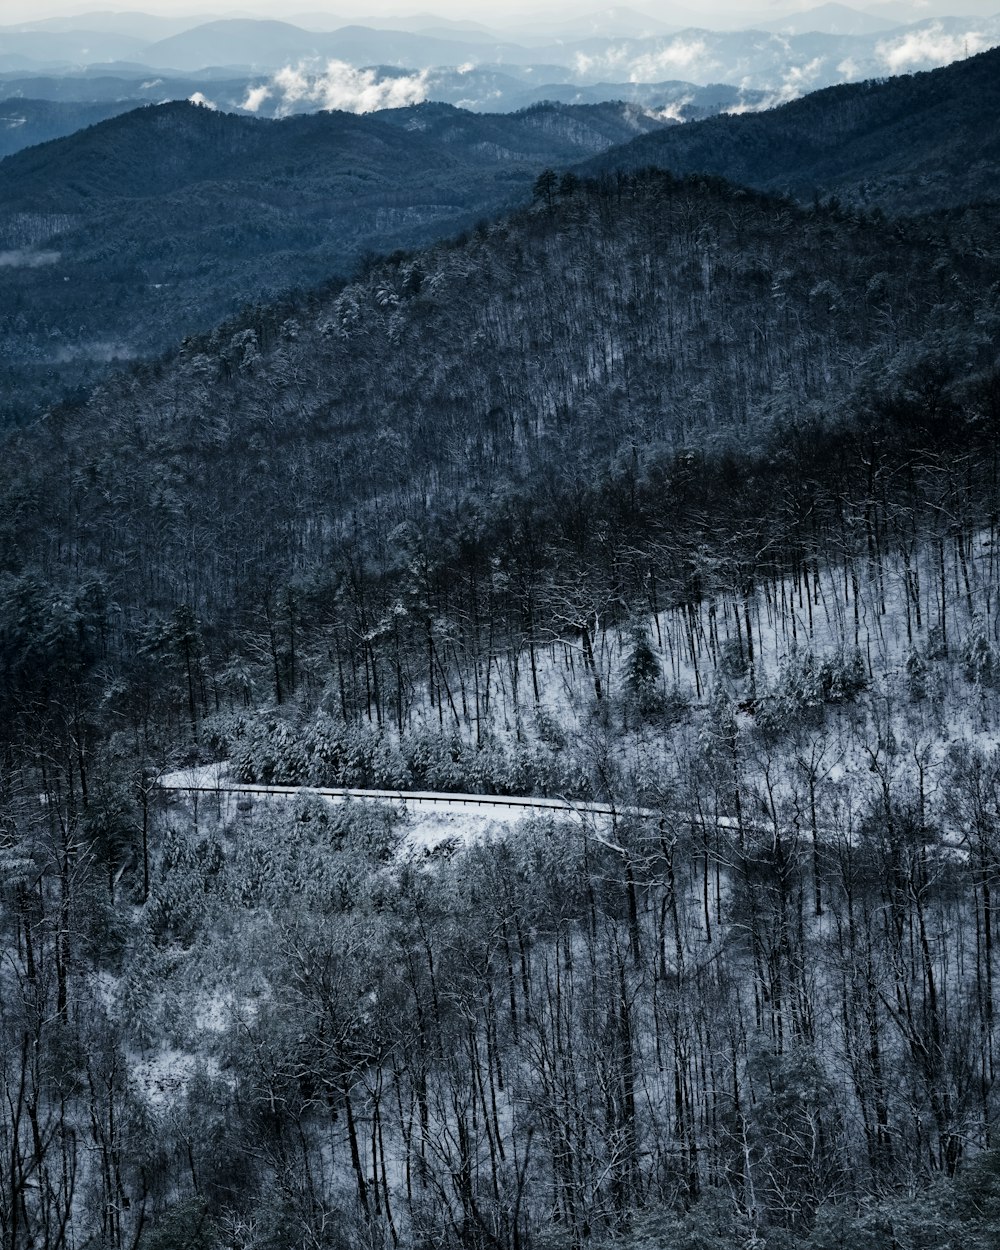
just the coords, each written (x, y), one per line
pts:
(488, 806)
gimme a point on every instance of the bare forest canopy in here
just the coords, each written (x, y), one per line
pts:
(658, 491)
(635, 339)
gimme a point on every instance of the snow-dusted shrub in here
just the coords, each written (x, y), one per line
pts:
(937, 646)
(843, 675)
(732, 659)
(807, 683)
(434, 760)
(313, 855)
(272, 752)
(916, 669)
(641, 673)
(181, 903)
(550, 729)
(325, 749)
(324, 752)
(372, 759)
(980, 662)
(503, 768)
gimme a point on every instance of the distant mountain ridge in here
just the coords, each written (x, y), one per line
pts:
(786, 57)
(829, 19)
(24, 123)
(483, 90)
(909, 143)
(161, 150)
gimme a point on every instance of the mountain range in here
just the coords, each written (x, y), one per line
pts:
(38, 108)
(913, 143)
(672, 497)
(784, 57)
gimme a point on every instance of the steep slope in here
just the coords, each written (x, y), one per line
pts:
(906, 144)
(571, 346)
(162, 221)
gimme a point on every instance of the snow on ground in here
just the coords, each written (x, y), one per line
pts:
(882, 609)
(432, 821)
(198, 777)
(430, 832)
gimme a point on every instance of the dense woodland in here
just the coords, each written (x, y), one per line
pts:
(662, 492)
(121, 239)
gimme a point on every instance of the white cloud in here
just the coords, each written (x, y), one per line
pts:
(680, 57)
(104, 351)
(201, 100)
(798, 80)
(256, 97)
(341, 86)
(673, 112)
(687, 57)
(928, 47)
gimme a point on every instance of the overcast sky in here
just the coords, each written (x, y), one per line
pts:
(715, 12)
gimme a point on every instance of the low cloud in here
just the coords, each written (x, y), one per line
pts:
(22, 259)
(928, 47)
(801, 78)
(341, 86)
(102, 351)
(256, 97)
(201, 100)
(798, 80)
(673, 112)
(680, 56)
(686, 57)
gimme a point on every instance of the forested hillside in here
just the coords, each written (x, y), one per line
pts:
(667, 318)
(659, 491)
(120, 239)
(907, 144)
